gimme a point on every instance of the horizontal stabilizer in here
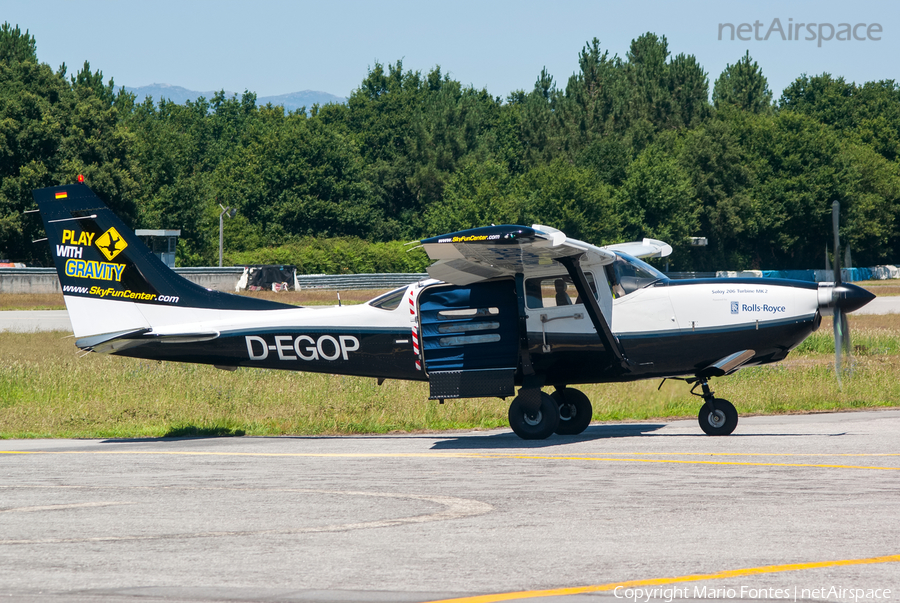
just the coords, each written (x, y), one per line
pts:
(114, 342)
(97, 340)
(183, 337)
(648, 248)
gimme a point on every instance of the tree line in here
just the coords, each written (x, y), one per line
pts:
(628, 147)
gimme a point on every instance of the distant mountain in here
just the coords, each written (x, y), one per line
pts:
(294, 100)
(291, 101)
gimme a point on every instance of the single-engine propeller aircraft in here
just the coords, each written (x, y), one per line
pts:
(507, 306)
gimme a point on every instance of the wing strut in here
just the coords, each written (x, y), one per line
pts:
(573, 266)
(524, 354)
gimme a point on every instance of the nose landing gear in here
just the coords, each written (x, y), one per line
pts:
(717, 416)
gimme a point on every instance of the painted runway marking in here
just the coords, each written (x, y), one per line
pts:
(63, 507)
(454, 508)
(485, 455)
(683, 462)
(814, 454)
(750, 571)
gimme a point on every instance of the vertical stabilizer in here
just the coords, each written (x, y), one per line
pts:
(100, 260)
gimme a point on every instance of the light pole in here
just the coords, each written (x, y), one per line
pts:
(225, 210)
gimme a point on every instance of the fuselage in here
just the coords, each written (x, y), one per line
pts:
(668, 328)
(678, 327)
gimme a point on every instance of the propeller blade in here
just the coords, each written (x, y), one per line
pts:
(844, 297)
(835, 216)
(837, 324)
(845, 334)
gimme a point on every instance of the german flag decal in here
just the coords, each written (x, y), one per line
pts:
(62, 195)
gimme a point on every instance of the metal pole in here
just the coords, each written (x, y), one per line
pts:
(221, 227)
(230, 212)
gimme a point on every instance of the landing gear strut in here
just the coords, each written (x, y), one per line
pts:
(717, 415)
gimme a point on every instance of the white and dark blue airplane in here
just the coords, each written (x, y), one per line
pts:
(508, 306)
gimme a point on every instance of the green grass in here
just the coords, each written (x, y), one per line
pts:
(47, 389)
(867, 343)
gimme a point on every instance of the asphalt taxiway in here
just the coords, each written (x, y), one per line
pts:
(787, 507)
(32, 321)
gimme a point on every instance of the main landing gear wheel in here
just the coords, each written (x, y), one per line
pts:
(575, 411)
(537, 425)
(722, 421)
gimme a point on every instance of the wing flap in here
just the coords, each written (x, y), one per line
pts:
(462, 272)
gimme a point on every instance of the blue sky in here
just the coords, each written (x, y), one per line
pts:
(275, 47)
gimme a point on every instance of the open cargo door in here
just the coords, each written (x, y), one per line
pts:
(470, 339)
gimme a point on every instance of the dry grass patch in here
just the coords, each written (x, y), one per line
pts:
(881, 288)
(32, 301)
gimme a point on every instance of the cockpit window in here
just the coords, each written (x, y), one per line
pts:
(628, 274)
(549, 292)
(390, 300)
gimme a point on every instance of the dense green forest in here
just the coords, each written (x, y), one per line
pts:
(627, 147)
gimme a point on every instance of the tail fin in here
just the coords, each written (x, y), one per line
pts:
(100, 261)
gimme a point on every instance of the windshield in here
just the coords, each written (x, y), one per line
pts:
(628, 274)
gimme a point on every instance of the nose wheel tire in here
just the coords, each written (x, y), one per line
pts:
(575, 411)
(536, 425)
(721, 421)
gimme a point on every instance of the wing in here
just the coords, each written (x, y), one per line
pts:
(479, 254)
(648, 248)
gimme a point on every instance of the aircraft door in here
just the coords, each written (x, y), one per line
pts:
(470, 339)
(557, 318)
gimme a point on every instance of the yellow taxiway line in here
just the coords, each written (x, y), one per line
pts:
(623, 457)
(750, 571)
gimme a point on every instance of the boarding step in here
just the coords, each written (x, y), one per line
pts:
(472, 383)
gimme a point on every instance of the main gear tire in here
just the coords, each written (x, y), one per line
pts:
(575, 411)
(536, 425)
